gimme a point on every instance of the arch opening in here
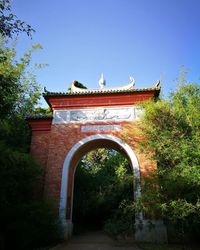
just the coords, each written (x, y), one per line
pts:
(103, 184)
(72, 160)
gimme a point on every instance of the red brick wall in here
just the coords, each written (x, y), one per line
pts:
(39, 146)
(50, 148)
(132, 136)
(39, 150)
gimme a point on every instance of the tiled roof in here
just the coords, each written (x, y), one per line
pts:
(101, 91)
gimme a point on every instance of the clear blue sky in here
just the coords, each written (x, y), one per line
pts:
(148, 39)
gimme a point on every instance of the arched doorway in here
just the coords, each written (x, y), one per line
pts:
(73, 157)
(103, 194)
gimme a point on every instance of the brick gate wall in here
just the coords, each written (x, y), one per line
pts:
(51, 147)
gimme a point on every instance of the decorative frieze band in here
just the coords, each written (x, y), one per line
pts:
(97, 115)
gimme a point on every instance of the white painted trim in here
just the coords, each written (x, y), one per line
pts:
(67, 162)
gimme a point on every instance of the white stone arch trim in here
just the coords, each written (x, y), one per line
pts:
(64, 182)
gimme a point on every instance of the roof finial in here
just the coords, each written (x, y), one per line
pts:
(102, 81)
(131, 80)
(157, 85)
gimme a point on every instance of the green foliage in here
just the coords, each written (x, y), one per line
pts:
(27, 221)
(31, 221)
(122, 221)
(9, 75)
(172, 131)
(18, 174)
(19, 94)
(40, 111)
(103, 180)
(32, 226)
(9, 22)
(19, 90)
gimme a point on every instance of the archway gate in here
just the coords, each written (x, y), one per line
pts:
(84, 120)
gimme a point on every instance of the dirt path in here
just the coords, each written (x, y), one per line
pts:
(95, 241)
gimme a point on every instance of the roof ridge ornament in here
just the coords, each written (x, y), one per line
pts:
(102, 81)
(77, 87)
(132, 80)
(157, 85)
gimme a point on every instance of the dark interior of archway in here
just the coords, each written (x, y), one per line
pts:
(103, 182)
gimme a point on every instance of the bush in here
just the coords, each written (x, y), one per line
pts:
(32, 226)
(26, 220)
(171, 132)
(121, 225)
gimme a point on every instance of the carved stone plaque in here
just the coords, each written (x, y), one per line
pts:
(100, 128)
(97, 114)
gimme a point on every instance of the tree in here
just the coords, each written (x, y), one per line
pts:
(103, 184)
(24, 214)
(18, 85)
(9, 22)
(19, 94)
(171, 129)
